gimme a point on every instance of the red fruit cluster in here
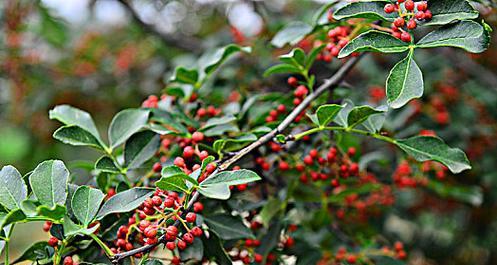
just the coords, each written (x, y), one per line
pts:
(329, 166)
(299, 94)
(148, 224)
(275, 113)
(410, 13)
(337, 39)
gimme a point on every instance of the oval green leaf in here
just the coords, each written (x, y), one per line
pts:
(13, 190)
(425, 148)
(125, 124)
(374, 41)
(49, 182)
(404, 83)
(85, 204)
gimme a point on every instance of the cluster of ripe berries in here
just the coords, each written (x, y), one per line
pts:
(54, 242)
(330, 166)
(405, 177)
(155, 218)
(409, 16)
(245, 250)
(337, 39)
(342, 255)
(299, 94)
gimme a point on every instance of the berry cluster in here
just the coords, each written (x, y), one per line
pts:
(156, 217)
(410, 13)
(337, 39)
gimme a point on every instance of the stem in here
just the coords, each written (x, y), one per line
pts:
(344, 129)
(107, 250)
(7, 251)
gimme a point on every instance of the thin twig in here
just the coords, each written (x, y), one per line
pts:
(334, 81)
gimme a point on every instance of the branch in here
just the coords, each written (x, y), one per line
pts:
(181, 42)
(332, 82)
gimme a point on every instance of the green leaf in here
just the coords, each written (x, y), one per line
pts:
(77, 136)
(52, 29)
(194, 252)
(296, 57)
(73, 116)
(311, 57)
(213, 248)
(342, 115)
(228, 227)
(445, 12)
(467, 35)
(230, 178)
(374, 41)
(173, 179)
(375, 122)
(124, 201)
(36, 252)
(221, 129)
(281, 69)
(218, 121)
(233, 144)
(49, 182)
(55, 213)
(211, 62)
(424, 148)
(292, 33)
(85, 204)
(269, 210)
(216, 191)
(359, 114)
(13, 190)
(185, 76)
(125, 124)
(70, 228)
(140, 148)
(11, 217)
(468, 194)
(106, 164)
(326, 113)
(365, 9)
(404, 83)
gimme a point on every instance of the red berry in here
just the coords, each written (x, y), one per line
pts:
(210, 168)
(405, 37)
(68, 260)
(242, 187)
(172, 231)
(284, 166)
(281, 108)
(170, 245)
(188, 238)
(308, 160)
(409, 5)
(389, 8)
(168, 202)
(412, 24)
(53, 241)
(293, 81)
(175, 261)
(351, 259)
(197, 231)
(258, 258)
(150, 232)
(201, 112)
(289, 242)
(188, 152)
(191, 217)
(46, 226)
(314, 153)
(351, 151)
(197, 136)
(422, 6)
(399, 22)
(179, 161)
(198, 207)
(181, 244)
(428, 15)
(156, 200)
(420, 15)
